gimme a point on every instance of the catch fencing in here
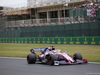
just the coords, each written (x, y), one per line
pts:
(65, 30)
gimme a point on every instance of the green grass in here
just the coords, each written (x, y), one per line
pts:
(92, 53)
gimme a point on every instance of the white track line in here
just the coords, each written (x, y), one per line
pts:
(92, 73)
(25, 58)
(94, 62)
(12, 58)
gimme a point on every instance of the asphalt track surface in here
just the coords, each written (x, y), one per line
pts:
(13, 66)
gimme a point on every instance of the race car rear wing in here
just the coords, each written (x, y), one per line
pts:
(42, 49)
(38, 49)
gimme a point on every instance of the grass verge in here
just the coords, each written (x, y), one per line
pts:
(92, 53)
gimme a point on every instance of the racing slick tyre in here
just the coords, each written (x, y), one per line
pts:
(77, 56)
(51, 58)
(31, 59)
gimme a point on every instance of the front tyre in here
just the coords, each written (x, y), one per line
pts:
(77, 56)
(51, 58)
(31, 59)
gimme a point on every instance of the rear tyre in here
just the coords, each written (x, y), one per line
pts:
(77, 56)
(31, 59)
(51, 59)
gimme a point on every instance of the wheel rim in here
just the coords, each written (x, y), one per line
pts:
(50, 60)
(75, 57)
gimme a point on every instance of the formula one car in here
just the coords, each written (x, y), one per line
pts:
(54, 57)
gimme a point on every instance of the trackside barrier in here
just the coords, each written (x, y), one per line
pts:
(54, 40)
(67, 30)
